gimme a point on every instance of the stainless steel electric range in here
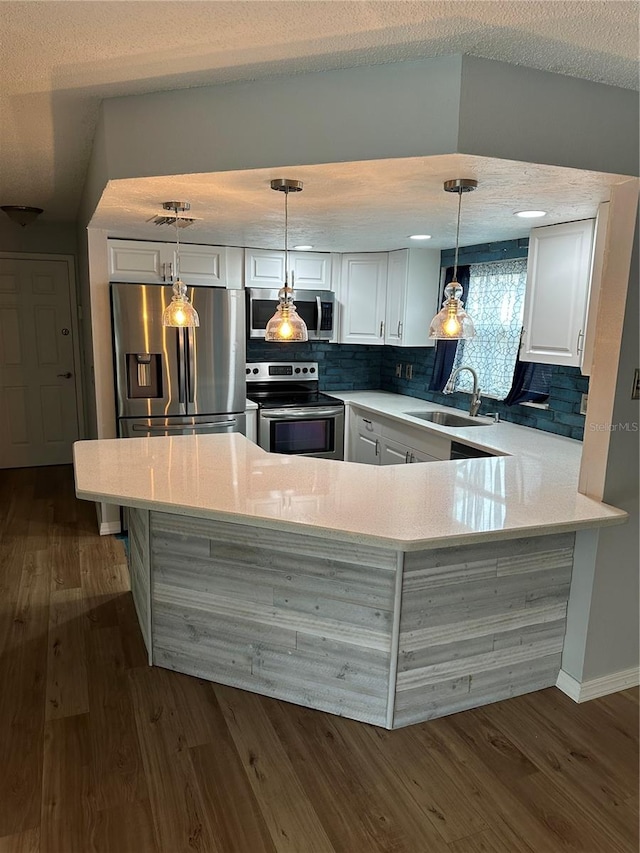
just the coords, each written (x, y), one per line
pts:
(293, 415)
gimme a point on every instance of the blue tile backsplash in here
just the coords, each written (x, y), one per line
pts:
(345, 367)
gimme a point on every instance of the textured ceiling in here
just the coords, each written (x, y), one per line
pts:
(365, 206)
(59, 59)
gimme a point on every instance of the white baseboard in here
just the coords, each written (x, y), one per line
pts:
(582, 691)
(108, 528)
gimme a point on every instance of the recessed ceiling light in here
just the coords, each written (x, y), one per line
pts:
(302, 248)
(531, 214)
(420, 236)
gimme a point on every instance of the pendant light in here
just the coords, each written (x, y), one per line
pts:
(452, 322)
(286, 325)
(179, 313)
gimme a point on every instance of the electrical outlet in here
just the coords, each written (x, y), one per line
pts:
(583, 404)
(408, 371)
(399, 371)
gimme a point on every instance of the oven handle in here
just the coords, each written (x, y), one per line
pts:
(297, 414)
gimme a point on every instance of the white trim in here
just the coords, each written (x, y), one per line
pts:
(603, 686)
(108, 528)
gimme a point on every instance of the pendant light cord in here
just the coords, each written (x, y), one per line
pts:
(455, 262)
(286, 238)
(175, 209)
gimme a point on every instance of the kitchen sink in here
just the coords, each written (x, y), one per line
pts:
(449, 419)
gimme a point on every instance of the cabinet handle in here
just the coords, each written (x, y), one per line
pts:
(170, 275)
(382, 329)
(400, 328)
(365, 421)
(377, 446)
(407, 457)
(578, 347)
(164, 271)
(412, 458)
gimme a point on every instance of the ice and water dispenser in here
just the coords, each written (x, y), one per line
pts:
(144, 375)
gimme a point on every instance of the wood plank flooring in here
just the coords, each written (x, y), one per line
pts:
(101, 754)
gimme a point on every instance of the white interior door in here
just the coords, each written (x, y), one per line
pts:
(38, 405)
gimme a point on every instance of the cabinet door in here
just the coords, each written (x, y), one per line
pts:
(138, 261)
(393, 453)
(396, 296)
(558, 274)
(311, 270)
(201, 265)
(413, 285)
(419, 456)
(366, 449)
(263, 268)
(363, 290)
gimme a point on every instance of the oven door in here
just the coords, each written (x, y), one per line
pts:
(311, 431)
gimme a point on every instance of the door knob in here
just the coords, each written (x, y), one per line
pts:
(67, 375)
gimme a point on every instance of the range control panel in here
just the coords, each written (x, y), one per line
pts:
(279, 371)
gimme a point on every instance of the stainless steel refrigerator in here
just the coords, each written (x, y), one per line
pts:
(178, 381)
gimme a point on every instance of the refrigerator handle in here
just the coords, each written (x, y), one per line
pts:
(191, 367)
(181, 367)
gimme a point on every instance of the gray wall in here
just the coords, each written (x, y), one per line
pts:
(518, 113)
(39, 237)
(612, 640)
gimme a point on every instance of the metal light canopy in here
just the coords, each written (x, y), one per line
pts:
(179, 313)
(286, 325)
(452, 323)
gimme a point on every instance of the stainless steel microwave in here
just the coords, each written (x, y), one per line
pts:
(316, 307)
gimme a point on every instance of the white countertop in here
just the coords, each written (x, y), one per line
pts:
(409, 507)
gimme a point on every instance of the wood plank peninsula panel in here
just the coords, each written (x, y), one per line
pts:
(378, 635)
(480, 623)
(301, 618)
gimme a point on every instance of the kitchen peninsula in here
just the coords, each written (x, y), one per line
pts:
(389, 595)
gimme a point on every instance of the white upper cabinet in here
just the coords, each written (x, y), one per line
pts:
(363, 295)
(413, 285)
(558, 277)
(265, 268)
(389, 298)
(145, 262)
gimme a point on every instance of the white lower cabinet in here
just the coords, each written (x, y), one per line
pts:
(376, 440)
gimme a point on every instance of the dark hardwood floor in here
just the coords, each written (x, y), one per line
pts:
(99, 752)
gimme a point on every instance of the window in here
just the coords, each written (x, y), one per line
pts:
(495, 303)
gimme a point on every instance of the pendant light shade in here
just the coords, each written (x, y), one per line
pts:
(452, 323)
(179, 313)
(286, 325)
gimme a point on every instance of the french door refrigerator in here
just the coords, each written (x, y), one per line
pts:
(178, 381)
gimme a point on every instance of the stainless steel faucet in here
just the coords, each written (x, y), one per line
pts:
(476, 399)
